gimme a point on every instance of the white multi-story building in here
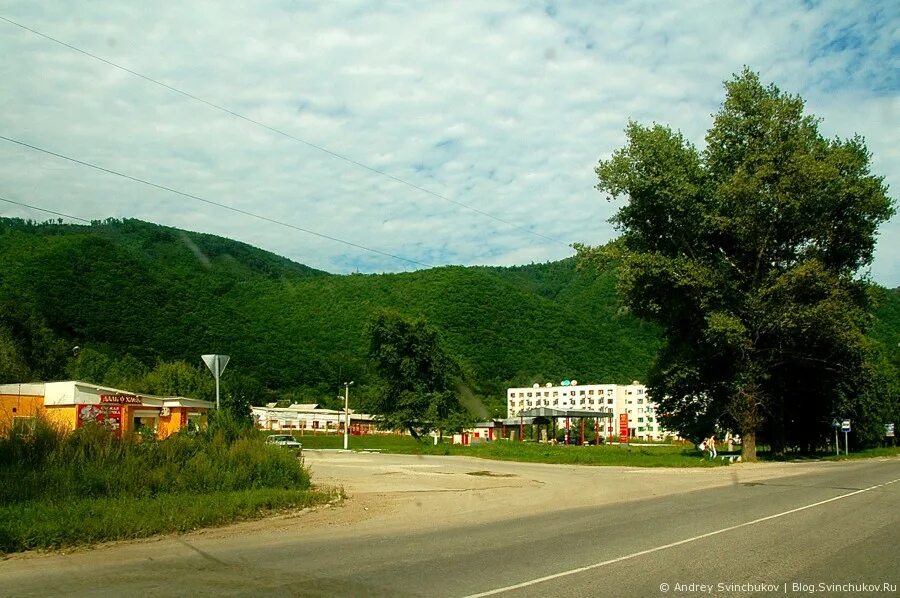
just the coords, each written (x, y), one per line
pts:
(632, 409)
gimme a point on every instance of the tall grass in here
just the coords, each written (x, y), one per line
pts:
(59, 487)
(92, 463)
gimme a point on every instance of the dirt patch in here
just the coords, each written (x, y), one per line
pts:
(491, 474)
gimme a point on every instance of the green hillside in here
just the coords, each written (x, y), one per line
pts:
(162, 294)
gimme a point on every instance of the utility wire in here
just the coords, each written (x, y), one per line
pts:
(213, 203)
(284, 133)
(25, 205)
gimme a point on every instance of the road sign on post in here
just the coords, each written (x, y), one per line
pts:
(216, 364)
(845, 428)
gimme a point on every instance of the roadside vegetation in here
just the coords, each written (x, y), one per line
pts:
(529, 452)
(60, 489)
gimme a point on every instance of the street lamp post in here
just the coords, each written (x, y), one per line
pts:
(347, 386)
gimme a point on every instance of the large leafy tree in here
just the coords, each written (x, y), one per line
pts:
(419, 377)
(748, 255)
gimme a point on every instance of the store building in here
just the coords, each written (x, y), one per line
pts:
(72, 404)
(309, 417)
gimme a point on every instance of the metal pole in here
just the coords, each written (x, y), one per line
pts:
(217, 382)
(837, 444)
(347, 414)
(846, 445)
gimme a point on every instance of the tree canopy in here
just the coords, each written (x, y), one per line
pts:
(418, 391)
(748, 255)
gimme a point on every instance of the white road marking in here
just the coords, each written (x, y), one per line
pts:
(532, 582)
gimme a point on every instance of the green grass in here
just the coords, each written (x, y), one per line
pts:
(890, 451)
(59, 524)
(531, 452)
(61, 488)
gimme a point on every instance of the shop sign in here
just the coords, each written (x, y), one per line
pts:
(121, 399)
(623, 427)
(106, 415)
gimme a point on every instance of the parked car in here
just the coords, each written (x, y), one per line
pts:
(285, 440)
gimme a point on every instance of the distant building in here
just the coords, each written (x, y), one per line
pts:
(72, 404)
(632, 409)
(309, 417)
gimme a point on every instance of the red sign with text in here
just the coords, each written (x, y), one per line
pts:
(623, 427)
(121, 399)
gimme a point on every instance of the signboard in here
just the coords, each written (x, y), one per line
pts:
(889, 430)
(121, 399)
(106, 415)
(845, 425)
(216, 363)
(623, 427)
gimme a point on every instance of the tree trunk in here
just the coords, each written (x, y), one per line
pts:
(748, 445)
(413, 432)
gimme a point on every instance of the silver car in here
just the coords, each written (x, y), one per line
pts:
(285, 440)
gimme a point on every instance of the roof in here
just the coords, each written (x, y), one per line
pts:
(557, 413)
(187, 402)
(35, 389)
(73, 392)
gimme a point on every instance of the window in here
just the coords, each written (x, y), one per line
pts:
(609, 401)
(640, 401)
(590, 392)
(641, 420)
(582, 402)
(23, 425)
(581, 392)
(556, 401)
(521, 395)
(528, 394)
(555, 393)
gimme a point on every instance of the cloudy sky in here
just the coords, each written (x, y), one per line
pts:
(430, 132)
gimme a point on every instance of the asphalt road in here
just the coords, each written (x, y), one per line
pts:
(833, 529)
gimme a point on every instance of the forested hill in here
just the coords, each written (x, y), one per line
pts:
(130, 288)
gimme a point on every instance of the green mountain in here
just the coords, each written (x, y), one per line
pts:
(159, 294)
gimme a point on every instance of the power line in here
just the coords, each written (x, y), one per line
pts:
(283, 133)
(25, 205)
(212, 203)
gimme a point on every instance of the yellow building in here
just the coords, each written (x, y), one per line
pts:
(72, 404)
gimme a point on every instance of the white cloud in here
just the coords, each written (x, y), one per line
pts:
(500, 107)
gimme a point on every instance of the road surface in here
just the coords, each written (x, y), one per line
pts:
(450, 526)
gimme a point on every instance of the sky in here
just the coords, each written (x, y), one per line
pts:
(393, 136)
